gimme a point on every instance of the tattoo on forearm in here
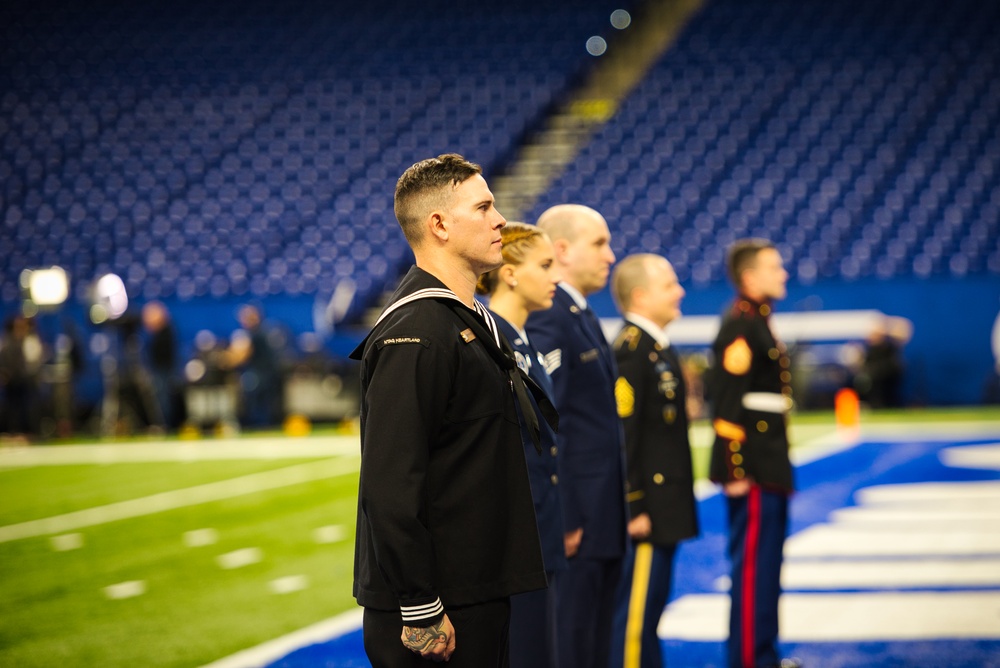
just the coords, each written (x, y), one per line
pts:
(421, 639)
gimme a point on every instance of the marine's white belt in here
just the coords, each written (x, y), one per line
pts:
(768, 402)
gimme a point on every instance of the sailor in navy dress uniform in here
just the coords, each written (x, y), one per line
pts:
(475, 540)
(652, 396)
(446, 530)
(749, 386)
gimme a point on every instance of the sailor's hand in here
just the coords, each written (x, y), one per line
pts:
(436, 642)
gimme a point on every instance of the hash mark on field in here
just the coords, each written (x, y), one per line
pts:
(331, 533)
(288, 584)
(66, 542)
(239, 558)
(129, 589)
(201, 537)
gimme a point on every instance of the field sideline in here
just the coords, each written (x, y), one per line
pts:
(179, 553)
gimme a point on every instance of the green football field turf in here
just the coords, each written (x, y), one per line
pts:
(183, 581)
(55, 609)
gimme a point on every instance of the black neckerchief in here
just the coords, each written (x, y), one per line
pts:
(503, 355)
(498, 348)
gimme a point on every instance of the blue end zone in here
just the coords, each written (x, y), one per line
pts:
(825, 485)
(923, 654)
(347, 651)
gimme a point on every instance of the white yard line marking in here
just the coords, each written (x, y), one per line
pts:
(853, 617)
(855, 540)
(825, 574)
(129, 589)
(932, 493)
(985, 456)
(240, 558)
(180, 498)
(274, 447)
(271, 651)
(923, 432)
(956, 510)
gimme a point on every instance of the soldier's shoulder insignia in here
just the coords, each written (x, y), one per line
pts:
(629, 336)
(625, 397)
(737, 356)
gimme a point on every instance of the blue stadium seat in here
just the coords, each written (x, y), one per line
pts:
(860, 154)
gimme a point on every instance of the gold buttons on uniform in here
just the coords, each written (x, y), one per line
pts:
(785, 363)
(734, 446)
(786, 377)
(554, 478)
(773, 353)
(658, 478)
(737, 459)
(738, 473)
(765, 310)
(761, 426)
(669, 414)
(554, 450)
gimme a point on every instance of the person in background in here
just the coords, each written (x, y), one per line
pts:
(21, 358)
(252, 352)
(524, 283)
(161, 356)
(880, 381)
(652, 399)
(750, 393)
(446, 530)
(991, 388)
(590, 439)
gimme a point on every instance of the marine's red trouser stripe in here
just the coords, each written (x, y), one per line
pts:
(748, 634)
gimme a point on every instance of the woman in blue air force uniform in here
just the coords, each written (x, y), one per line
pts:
(526, 282)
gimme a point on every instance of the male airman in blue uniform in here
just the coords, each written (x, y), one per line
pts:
(590, 440)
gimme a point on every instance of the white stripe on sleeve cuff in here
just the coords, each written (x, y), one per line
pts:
(418, 613)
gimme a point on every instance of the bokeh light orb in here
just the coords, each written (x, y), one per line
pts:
(621, 19)
(596, 46)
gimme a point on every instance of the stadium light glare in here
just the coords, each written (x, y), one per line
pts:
(45, 287)
(110, 300)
